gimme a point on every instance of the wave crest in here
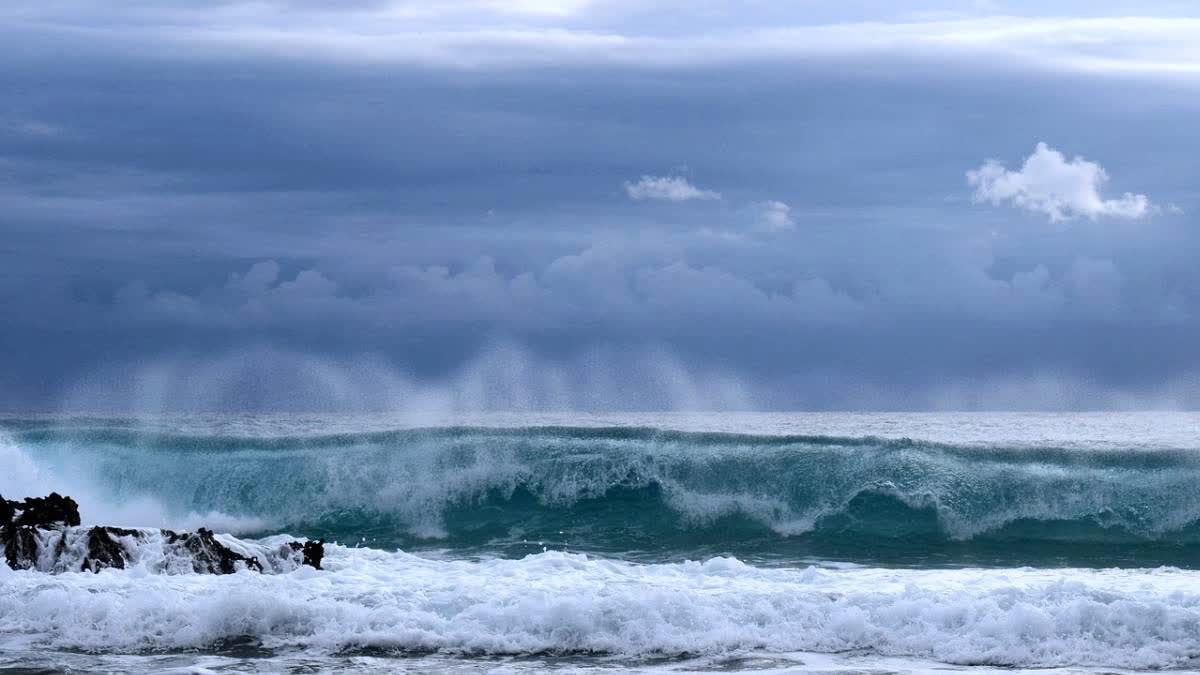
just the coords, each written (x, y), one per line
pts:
(631, 487)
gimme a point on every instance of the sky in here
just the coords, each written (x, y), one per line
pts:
(599, 204)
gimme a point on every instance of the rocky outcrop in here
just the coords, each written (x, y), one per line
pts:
(44, 533)
(313, 552)
(40, 511)
(20, 546)
(104, 548)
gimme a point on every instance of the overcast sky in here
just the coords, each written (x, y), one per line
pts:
(599, 204)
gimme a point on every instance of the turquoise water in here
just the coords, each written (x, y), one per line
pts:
(654, 494)
(717, 522)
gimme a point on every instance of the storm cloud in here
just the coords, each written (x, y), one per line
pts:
(597, 205)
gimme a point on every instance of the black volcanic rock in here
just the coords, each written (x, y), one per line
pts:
(20, 546)
(44, 533)
(312, 550)
(20, 520)
(209, 555)
(104, 550)
(48, 511)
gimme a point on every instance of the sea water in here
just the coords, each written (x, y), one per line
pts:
(655, 542)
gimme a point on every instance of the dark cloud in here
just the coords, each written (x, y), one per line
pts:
(428, 231)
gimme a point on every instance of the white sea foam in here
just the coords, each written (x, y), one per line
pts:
(24, 476)
(564, 603)
(151, 551)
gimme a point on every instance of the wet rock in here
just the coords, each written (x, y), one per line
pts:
(48, 511)
(19, 522)
(312, 550)
(44, 533)
(210, 556)
(104, 548)
(20, 546)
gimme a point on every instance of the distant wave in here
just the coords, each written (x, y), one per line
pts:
(625, 489)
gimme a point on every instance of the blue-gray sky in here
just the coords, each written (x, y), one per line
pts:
(599, 204)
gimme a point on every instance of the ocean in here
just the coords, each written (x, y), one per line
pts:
(665, 543)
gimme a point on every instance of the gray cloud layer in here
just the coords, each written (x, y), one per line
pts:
(179, 216)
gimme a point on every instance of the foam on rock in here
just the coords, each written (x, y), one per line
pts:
(44, 534)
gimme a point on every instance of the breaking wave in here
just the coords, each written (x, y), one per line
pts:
(645, 490)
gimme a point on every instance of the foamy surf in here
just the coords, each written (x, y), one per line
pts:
(553, 604)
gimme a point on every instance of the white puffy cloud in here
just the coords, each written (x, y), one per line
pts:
(773, 216)
(667, 188)
(1048, 183)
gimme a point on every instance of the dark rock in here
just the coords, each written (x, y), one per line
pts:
(54, 509)
(20, 546)
(314, 551)
(55, 519)
(209, 555)
(104, 550)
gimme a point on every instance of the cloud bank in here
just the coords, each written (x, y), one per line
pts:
(416, 189)
(1158, 40)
